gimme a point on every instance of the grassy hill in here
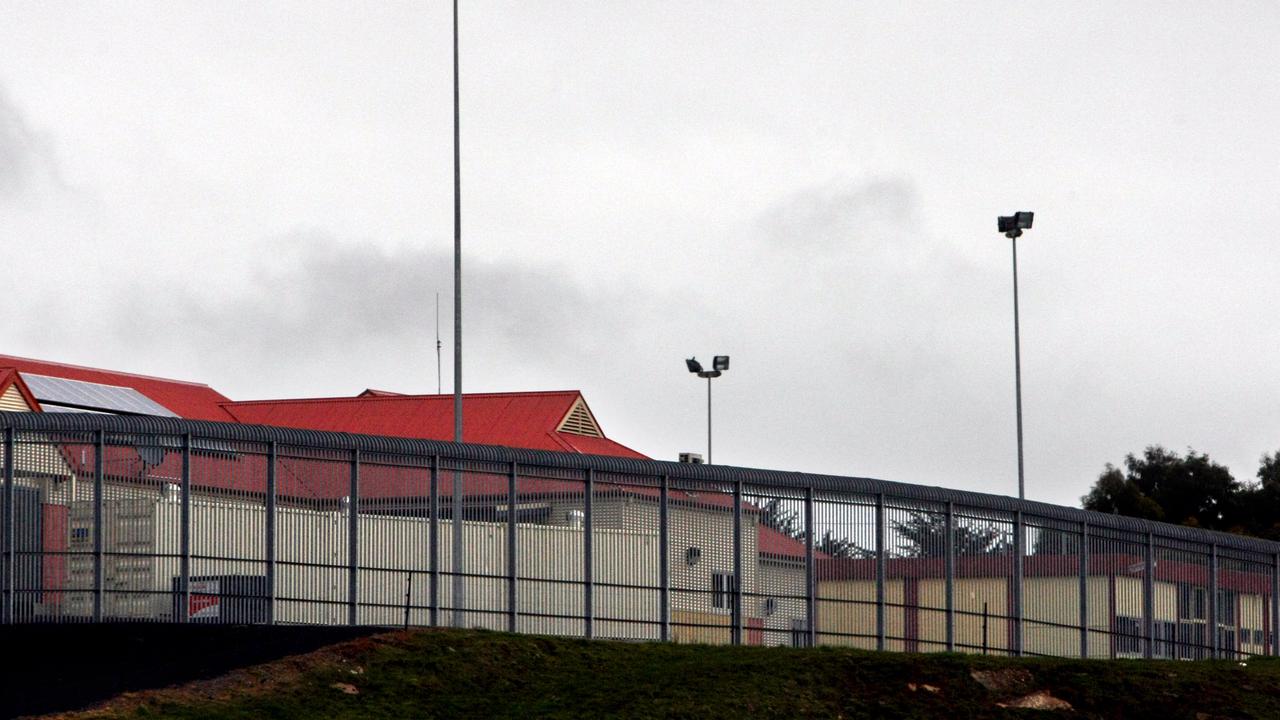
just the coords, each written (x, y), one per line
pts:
(447, 674)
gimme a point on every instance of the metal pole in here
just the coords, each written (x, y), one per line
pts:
(664, 559)
(1084, 589)
(353, 540)
(588, 555)
(459, 586)
(1148, 593)
(10, 555)
(100, 450)
(1019, 549)
(457, 244)
(184, 582)
(511, 549)
(434, 538)
(949, 565)
(736, 635)
(880, 572)
(1213, 600)
(271, 533)
(810, 586)
(708, 421)
(1017, 369)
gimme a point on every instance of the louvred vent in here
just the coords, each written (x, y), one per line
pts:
(578, 421)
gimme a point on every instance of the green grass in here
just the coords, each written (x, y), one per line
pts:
(447, 674)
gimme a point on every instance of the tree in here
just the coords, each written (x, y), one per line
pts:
(924, 534)
(1163, 485)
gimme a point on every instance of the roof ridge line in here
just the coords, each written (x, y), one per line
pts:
(101, 370)
(390, 398)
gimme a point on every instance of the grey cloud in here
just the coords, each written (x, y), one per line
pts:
(840, 213)
(17, 149)
(319, 296)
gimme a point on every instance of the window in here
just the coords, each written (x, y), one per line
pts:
(1166, 638)
(722, 588)
(1226, 607)
(1191, 602)
(799, 633)
(1128, 636)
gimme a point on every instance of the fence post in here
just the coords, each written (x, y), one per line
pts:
(353, 539)
(100, 449)
(1275, 604)
(1019, 549)
(433, 507)
(736, 632)
(1212, 622)
(588, 558)
(10, 555)
(270, 539)
(1084, 589)
(511, 548)
(949, 545)
(457, 522)
(1149, 593)
(184, 582)
(880, 572)
(810, 587)
(664, 560)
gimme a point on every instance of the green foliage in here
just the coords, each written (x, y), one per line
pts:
(1191, 490)
(924, 534)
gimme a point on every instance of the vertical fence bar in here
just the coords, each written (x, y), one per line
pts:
(1213, 600)
(511, 548)
(736, 633)
(10, 555)
(184, 569)
(664, 559)
(1275, 604)
(100, 449)
(950, 570)
(1084, 589)
(270, 539)
(588, 566)
(353, 539)
(1149, 593)
(880, 572)
(810, 586)
(1019, 549)
(433, 533)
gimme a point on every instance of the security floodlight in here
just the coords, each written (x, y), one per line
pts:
(719, 365)
(1013, 225)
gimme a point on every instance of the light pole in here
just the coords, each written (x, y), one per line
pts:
(719, 365)
(1012, 227)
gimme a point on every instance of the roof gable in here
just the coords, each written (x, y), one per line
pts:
(15, 396)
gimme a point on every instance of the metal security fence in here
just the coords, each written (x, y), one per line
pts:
(145, 519)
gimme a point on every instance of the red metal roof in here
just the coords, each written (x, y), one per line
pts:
(194, 401)
(521, 419)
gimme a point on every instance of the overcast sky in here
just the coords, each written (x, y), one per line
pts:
(259, 196)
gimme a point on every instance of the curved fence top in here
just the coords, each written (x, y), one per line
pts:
(723, 474)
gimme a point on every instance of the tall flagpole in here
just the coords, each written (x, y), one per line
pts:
(459, 589)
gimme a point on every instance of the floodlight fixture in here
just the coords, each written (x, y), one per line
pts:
(719, 365)
(1013, 225)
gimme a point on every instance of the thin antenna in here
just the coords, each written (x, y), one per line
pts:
(438, 345)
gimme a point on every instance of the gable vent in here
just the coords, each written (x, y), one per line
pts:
(578, 421)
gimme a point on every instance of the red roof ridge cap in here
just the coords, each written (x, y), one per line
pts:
(394, 398)
(69, 366)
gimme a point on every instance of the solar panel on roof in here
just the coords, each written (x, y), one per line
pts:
(81, 395)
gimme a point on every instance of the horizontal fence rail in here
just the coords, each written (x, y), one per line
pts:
(146, 519)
